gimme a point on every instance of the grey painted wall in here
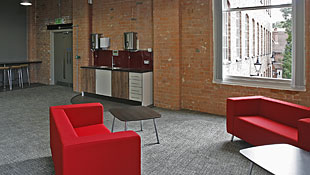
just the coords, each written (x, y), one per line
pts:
(13, 31)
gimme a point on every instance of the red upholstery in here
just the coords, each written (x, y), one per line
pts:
(260, 120)
(92, 130)
(81, 144)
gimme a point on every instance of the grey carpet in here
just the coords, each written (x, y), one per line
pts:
(191, 142)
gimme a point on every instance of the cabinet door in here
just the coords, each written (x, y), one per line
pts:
(103, 82)
(88, 80)
(120, 84)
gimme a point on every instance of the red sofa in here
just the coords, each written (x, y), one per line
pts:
(260, 120)
(81, 144)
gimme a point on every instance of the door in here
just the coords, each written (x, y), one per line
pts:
(63, 68)
(120, 84)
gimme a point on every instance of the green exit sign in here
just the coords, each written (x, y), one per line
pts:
(58, 21)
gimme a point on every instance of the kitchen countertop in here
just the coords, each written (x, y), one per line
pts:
(117, 69)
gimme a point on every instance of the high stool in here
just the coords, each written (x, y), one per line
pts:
(7, 71)
(26, 66)
(20, 75)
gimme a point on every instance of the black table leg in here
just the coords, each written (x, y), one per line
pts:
(125, 126)
(113, 124)
(251, 168)
(141, 125)
(156, 131)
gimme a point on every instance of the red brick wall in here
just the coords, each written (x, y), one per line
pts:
(198, 91)
(110, 17)
(40, 14)
(181, 35)
(81, 21)
(114, 17)
(167, 53)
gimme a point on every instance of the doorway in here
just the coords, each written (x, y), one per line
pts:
(63, 58)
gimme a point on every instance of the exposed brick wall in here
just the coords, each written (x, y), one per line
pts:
(196, 51)
(81, 19)
(181, 35)
(114, 17)
(167, 54)
(198, 91)
(41, 13)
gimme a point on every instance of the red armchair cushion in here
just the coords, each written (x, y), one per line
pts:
(92, 130)
(281, 111)
(286, 132)
(83, 114)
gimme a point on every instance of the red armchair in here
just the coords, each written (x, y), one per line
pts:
(81, 144)
(260, 120)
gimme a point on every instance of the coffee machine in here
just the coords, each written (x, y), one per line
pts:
(130, 41)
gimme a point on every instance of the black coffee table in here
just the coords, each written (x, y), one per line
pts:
(281, 159)
(135, 113)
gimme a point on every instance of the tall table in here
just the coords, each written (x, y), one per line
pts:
(281, 159)
(135, 113)
(7, 63)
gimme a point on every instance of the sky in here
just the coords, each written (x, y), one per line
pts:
(276, 13)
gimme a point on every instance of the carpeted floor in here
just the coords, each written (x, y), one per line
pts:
(191, 142)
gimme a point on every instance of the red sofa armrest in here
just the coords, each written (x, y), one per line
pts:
(241, 106)
(303, 133)
(83, 114)
(115, 153)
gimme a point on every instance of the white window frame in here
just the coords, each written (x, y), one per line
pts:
(298, 81)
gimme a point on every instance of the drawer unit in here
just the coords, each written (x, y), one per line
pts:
(135, 76)
(135, 83)
(135, 97)
(141, 87)
(135, 90)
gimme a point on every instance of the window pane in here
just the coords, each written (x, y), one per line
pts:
(258, 35)
(253, 3)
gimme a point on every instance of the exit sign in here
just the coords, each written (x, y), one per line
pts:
(58, 21)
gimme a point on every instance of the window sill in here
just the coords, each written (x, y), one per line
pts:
(260, 82)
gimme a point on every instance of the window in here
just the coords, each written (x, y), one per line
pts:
(247, 35)
(227, 34)
(253, 32)
(270, 41)
(259, 39)
(266, 41)
(238, 36)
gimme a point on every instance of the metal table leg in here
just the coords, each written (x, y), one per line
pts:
(141, 125)
(113, 124)
(4, 76)
(125, 126)
(156, 130)
(232, 138)
(251, 168)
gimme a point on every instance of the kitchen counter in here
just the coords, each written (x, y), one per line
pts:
(117, 69)
(119, 83)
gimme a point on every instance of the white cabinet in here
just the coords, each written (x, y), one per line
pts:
(141, 87)
(103, 82)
